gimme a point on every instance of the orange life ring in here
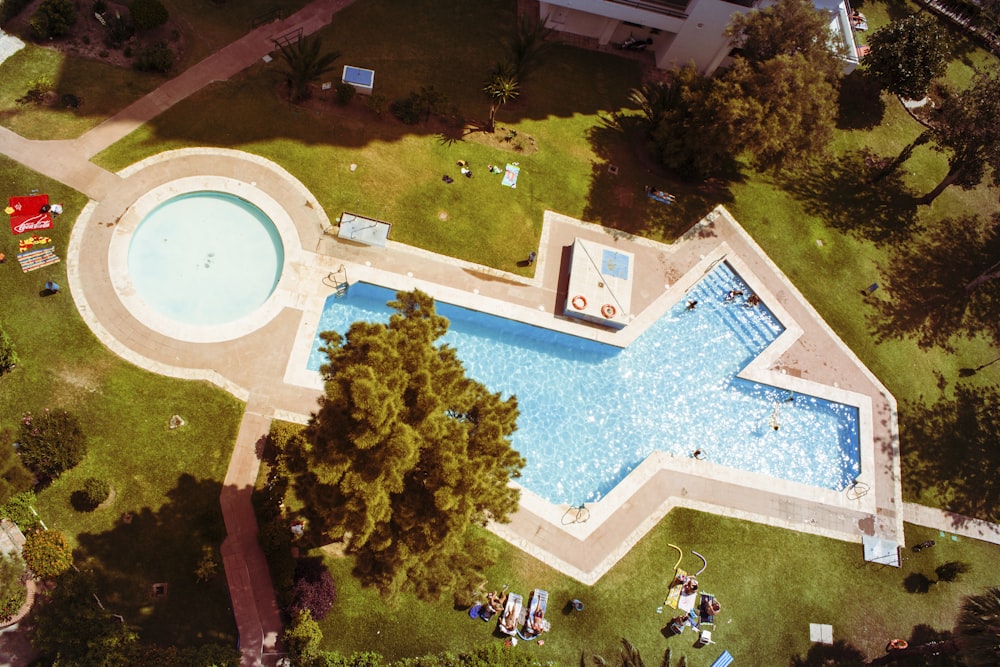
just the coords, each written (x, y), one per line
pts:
(898, 644)
(579, 302)
(608, 310)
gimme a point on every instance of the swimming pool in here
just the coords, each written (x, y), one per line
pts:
(590, 413)
(205, 258)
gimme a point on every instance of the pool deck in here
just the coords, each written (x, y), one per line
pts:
(266, 366)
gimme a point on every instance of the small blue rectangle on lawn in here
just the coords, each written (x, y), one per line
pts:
(357, 76)
(614, 264)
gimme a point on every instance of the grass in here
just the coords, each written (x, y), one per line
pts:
(766, 579)
(169, 480)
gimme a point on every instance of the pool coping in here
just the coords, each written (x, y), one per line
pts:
(584, 551)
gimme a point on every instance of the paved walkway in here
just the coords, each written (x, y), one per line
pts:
(813, 357)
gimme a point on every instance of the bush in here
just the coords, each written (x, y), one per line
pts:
(155, 58)
(345, 92)
(303, 636)
(406, 110)
(120, 30)
(96, 491)
(208, 566)
(376, 103)
(51, 443)
(99, 7)
(18, 510)
(53, 18)
(314, 589)
(148, 14)
(12, 590)
(8, 355)
(47, 553)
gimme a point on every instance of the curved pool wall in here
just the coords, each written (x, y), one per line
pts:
(205, 258)
(277, 281)
(591, 413)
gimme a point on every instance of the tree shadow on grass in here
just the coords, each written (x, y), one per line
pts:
(838, 191)
(164, 547)
(619, 200)
(929, 277)
(917, 582)
(839, 653)
(860, 105)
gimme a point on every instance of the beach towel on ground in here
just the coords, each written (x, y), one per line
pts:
(28, 215)
(27, 244)
(36, 259)
(510, 175)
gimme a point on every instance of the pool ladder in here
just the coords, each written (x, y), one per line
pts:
(338, 281)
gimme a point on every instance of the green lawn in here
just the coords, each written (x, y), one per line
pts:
(169, 480)
(772, 583)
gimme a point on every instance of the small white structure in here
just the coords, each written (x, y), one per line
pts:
(364, 230)
(360, 78)
(600, 284)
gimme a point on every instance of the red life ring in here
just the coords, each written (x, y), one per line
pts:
(579, 302)
(608, 310)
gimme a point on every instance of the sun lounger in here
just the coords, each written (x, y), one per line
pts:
(535, 622)
(724, 660)
(511, 612)
(705, 609)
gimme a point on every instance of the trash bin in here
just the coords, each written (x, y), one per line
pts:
(577, 605)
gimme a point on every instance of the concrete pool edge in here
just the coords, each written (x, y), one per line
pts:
(227, 367)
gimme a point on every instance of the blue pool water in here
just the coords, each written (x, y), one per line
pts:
(205, 258)
(590, 413)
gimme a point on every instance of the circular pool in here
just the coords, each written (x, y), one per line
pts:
(205, 258)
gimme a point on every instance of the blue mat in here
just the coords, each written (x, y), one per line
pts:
(724, 660)
(510, 176)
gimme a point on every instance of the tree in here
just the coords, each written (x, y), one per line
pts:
(502, 87)
(305, 65)
(406, 453)
(788, 27)
(53, 18)
(51, 442)
(14, 477)
(72, 628)
(781, 110)
(978, 629)
(47, 553)
(527, 46)
(303, 636)
(8, 355)
(907, 55)
(966, 127)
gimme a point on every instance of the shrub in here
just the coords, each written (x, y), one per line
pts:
(314, 589)
(148, 14)
(345, 92)
(99, 7)
(96, 491)
(51, 443)
(303, 636)
(208, 566)
(12, 590)
(47, 553)
(53, 18)
(18, 510)
(376, 103)
(8, 355)
(120, 30)
(155, 58)
(406, 110)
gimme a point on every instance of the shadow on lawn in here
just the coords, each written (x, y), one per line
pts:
(164, 546)
(839, 653)
(930, 278)
(839, 192)
(860, 105)
(617, 197)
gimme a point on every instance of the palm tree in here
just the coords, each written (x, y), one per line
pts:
(978, 629)
(304, 65)
(501, 88)
(629, 657)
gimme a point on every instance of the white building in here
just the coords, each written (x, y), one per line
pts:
(683, 31)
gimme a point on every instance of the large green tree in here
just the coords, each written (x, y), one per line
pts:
(788, 27)
(51, 442)
(305, 64)
(908, 54)
(406, 453)
(966, 128)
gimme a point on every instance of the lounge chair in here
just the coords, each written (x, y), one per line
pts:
(511, 612)
(705, 609)
(535, 622)
(723, 660)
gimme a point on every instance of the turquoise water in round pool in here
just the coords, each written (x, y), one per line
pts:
(590, 413)
(205, 258)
